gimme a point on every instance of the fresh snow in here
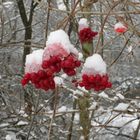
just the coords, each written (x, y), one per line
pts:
(80, 56)
(83, 23)
(60, 36)
(62, 109)
(22, 123)
(61, 5)
(130, 48)
(10, 136)
(120, 96)
(4, 125)
(8, 4)
(103, 95)
(58, 80)
(34, 61)
(121, 107)
(94, 65)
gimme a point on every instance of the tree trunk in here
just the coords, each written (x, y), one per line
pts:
(27, 44)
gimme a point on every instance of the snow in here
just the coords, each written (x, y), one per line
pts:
(34, 61)
(8, 4)
(80, 56)
(77, 92)
(93, 105)
(61, 5)
(76, 118)
(120, 96)
(83, 23)
(130, 48)
(4, 125)
(10, 136)
(94, 65)
(58, 80)
(62, 109)
(64, 76)
(22, 123)
(60, 36)
(103, 94)
(121, 107)
(119, 25)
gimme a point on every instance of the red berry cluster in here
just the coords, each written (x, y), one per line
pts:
(69, 64)
(41, 80)
(53, 64)
(96, 82)
(44, 79)
(86, 35)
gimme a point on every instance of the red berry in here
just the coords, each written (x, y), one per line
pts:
(77, 63)
(27, 76)
(88, 87)
(45, 64)
(24, 82)
(81, 84)
(52, 84)
(98, 78)
(41, 74)
(71, 72)
(85, 77)
(91, 79)
(109, 85)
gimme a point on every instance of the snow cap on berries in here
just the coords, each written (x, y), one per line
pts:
(83, 23)
(120, 27)
(60, 37)
(94, 65)
(55, 49)
(34, 61)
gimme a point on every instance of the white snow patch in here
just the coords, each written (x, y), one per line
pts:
(83, 23)
(103, 94)
(34, 61)
(61, 5)
(62, 109)
(58, 80)
(8, 4)
(93, 106)
(94, 65)
(60, 36)
(120, 96)
(64, 76)
(22, 123)
(122, 107)
(80, 56)
(77, 92)
(76, 118)
(4, 125)
(10, 136)
(130, 48)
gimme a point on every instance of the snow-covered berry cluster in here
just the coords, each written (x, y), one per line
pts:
(85, 32)
(59, 54)
(120, 27)
(94, 74)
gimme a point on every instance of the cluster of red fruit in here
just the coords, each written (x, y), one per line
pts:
(96, 82)
(69, 64)
(56, 63)
(86, 35)
(44, 79)
(41, 80)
